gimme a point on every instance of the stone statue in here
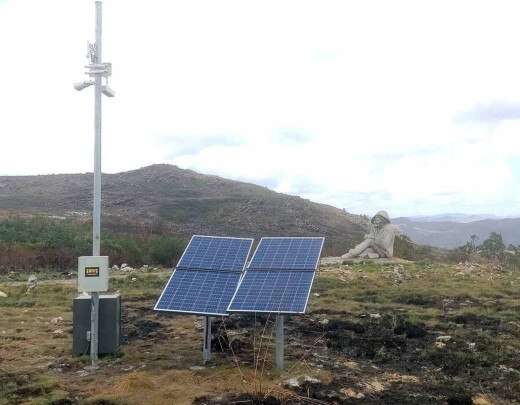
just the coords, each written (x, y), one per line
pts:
(379, 242)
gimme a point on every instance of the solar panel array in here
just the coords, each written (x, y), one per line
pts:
(279, 277)
(206, 276)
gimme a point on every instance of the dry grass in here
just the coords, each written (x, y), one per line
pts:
(36, 365)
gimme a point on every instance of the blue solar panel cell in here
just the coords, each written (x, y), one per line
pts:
(215, 253)
(199, 292)
(287, 254)
(279, 277)
(206, 276)
(273, 291)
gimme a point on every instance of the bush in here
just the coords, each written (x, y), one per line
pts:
(43, 242)
(164, 250)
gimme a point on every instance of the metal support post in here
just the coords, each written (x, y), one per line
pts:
(206, 350)
(279, 342)
(96, 217)
(96, 70)
(94, 312)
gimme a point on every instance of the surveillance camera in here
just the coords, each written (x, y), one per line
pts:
(82, 85)
(107, 91)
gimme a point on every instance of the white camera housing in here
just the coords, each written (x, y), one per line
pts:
(107, 91)
(83, 85)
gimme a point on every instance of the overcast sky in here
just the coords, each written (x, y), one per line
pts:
(409, 106)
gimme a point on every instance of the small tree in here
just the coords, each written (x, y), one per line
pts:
(493, 247)
(473, 241)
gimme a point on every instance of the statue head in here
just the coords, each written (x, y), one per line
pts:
(381, 219)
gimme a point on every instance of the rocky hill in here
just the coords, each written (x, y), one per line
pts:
(166, 199)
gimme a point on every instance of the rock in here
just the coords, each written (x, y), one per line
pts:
(311, 380)
(316, 294)
(58, 333)
(32, 282)
(133, 279)
(445, 338)
(350, 393)
(128, 268)
(197, 368)
(115, 267)
(324, 321)
(481, 399)
(440, 345)
(145, 267)
(292, 383)
(375, 316)
(123, 266)
(57, 320)
(506, 369)
(3, 294)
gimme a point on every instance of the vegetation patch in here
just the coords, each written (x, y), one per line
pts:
(45, 243)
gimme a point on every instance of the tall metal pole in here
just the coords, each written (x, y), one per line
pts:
(96, 70)
(279, 341)
(96, 215)
(206, 349)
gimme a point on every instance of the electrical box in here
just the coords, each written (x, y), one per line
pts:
(109, 324)
(93, 273)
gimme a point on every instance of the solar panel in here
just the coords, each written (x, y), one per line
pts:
(199, 292)
(279, 277)
(273, 291)
(206, 276)
(287, 254)
(215, 253)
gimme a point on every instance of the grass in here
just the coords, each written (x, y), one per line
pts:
(369, 328)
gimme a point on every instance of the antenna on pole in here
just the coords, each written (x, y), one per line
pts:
(97, 71)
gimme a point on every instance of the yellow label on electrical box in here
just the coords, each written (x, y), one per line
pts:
(91, 271)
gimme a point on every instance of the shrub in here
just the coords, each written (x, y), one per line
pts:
(42, 242)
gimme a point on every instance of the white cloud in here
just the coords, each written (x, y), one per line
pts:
(349, 103)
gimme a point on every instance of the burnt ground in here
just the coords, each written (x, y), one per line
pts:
(397, 335)
(388, 359)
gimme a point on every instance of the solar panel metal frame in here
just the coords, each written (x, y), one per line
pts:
(187, 269)
(274, 270)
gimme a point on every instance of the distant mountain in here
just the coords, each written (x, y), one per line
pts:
(462, 218)
(451, 234)
(166, 199)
